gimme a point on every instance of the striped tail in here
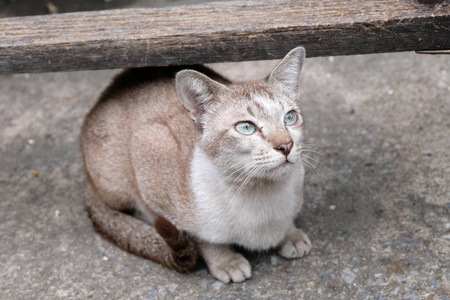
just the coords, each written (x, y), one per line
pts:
(162, 243)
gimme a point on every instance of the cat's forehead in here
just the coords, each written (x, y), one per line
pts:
(261, 100)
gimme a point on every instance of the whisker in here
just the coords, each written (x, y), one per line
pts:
(247, 164)
(244, 184)
(310, 141)
(314, 152)
(309, 167)
(328, 169)
(245, 176)
(314, 169)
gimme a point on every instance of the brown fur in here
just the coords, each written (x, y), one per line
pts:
(162, 243)
(111, 188)
(163, 143)
(185, 252)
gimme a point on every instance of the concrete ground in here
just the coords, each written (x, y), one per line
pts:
(376, 208)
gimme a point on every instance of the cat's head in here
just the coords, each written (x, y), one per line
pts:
(252, 127)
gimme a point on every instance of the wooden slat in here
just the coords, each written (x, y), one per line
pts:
(217, 32)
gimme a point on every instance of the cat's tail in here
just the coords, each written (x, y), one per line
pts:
(162, 243)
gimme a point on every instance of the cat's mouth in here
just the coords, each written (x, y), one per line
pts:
(281, 165)
(286, 163)
(282, 168)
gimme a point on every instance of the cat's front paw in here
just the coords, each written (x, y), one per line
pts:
(231, 267)
(295, 245)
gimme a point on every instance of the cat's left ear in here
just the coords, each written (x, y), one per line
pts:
(196, 91)
(288, 70)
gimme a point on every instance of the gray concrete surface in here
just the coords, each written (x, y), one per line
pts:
(376, 210)
(380, 225)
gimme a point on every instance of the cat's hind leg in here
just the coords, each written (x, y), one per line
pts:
(296, 244)
(224, 263)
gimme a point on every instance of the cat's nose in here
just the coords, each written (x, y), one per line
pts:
(285, 148)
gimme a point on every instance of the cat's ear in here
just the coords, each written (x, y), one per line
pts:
(288, 70)
(196, 91)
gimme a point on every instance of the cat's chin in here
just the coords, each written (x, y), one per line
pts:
(281, 171)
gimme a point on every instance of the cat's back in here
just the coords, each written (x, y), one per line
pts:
(134, 96)
(137, 141)
(128, 111)
(149, 90)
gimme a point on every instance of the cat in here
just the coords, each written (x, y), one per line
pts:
(181, 162)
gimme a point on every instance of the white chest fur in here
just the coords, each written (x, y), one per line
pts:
(256, 218)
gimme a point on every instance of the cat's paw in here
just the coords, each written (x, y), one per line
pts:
(231, 267)
(295, 245)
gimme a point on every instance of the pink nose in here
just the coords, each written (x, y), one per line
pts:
(285, 148)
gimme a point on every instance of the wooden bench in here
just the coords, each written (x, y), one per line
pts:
(217, 32)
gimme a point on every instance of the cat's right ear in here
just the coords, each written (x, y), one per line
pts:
(196, 91)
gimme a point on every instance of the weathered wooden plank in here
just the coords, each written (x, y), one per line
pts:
(217, 32)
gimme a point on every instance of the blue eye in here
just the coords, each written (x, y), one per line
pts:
(290, 118)
(246, 128)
